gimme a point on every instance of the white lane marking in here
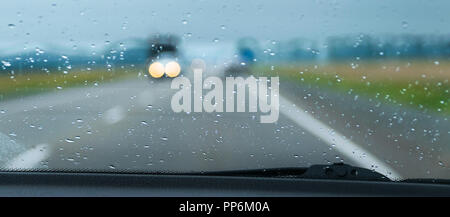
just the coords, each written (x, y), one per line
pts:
(345, 146)
(327, 134)
(114, 115)
(30, 158)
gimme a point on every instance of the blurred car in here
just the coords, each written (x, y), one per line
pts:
(247, 48)
(164, 57)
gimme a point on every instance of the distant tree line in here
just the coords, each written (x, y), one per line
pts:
(296, 49)
(400, 46)
(113, 56)
(346, 47)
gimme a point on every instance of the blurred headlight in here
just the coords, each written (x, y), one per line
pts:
(156, 70)
(172, 69)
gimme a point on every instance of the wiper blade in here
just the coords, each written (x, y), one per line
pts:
(339, 171)
(343, 171)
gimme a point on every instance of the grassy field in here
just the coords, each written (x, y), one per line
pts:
(12, 86)
(419, 84)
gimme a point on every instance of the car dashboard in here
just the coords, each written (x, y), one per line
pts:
(145, 185)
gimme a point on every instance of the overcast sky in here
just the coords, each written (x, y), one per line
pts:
(85, 22)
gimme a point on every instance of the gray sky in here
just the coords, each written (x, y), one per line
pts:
(83, 22)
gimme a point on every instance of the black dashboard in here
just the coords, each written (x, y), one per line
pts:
(145, 185)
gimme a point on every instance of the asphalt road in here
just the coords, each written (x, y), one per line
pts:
(129, 125)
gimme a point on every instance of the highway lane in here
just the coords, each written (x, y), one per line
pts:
(139, 131)
(130, 125)
(411, 141)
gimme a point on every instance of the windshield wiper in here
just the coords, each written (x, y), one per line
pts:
(335, 171)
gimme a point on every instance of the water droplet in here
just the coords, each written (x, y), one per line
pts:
(6, 63)
(11, 26)
(187, 35)
(404, 24)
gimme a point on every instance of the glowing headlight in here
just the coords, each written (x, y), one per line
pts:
(156, 69)
(172, 69)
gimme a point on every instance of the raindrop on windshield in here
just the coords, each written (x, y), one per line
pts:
(404, 24)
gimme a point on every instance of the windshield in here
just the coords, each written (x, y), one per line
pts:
(192, 86)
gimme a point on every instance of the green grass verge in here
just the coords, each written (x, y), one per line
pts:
(431, 94)
(19, 85)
